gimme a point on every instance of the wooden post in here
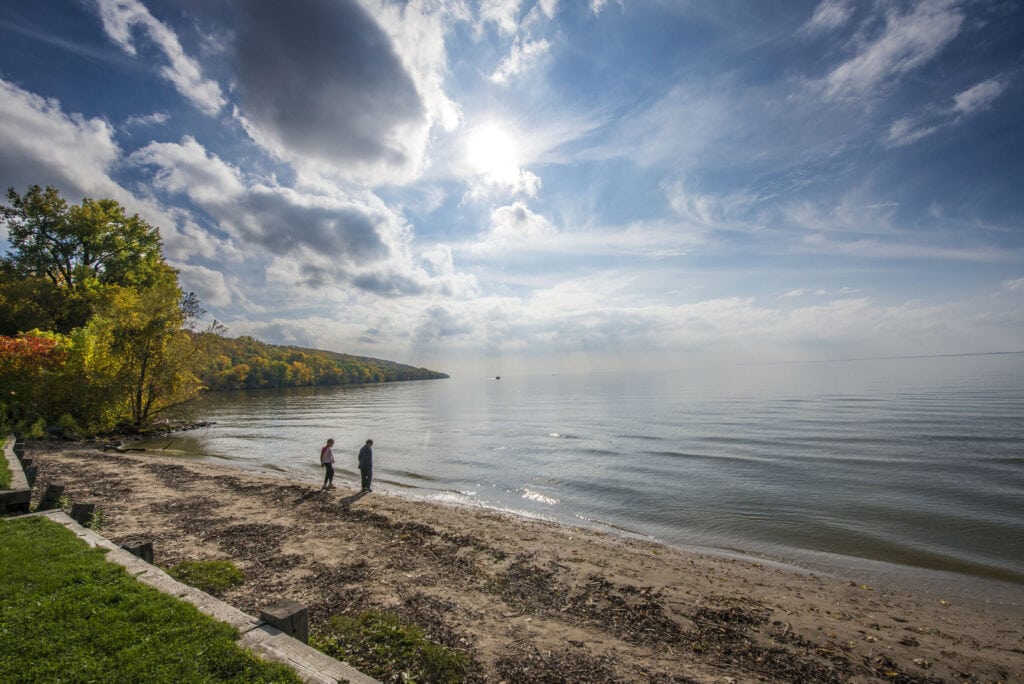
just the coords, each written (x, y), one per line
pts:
(82, 513)
(291, 617)
(142, 549)
(51, 496)
(30, 475)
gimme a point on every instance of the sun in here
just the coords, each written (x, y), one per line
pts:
(491, 151)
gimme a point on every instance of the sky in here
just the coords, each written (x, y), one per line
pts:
(516, 186)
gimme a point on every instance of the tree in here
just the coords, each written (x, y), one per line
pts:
(95, 280)
(69, 253)
(25, 363)
(155, 355)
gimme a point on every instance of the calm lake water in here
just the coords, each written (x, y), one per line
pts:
(878, 470)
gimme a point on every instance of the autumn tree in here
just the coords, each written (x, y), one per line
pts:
(94, 279)
(62, 256)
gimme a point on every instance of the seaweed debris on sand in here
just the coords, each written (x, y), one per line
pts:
(529, 600)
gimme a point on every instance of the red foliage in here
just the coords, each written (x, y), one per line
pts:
(27, 355)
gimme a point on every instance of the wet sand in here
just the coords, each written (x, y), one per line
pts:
(531, 600)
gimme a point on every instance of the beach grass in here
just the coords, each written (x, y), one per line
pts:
(213, 577)
(5, 470)
(382, 645)
(67, 612)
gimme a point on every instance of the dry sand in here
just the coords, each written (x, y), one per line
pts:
(533, 601)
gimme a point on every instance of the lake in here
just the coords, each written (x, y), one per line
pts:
(904, 470)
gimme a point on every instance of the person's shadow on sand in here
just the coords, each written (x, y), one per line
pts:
(349, 500)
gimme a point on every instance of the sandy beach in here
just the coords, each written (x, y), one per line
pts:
(529, 600)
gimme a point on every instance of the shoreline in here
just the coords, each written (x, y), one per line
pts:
(979, 588)
(525, 595)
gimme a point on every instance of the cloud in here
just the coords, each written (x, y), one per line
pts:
(320, 84)
(524, 55)
(828, 16)
(40, 144)
(687, 121)
(979, 96)
(439, 324)
(517, 222)
(309, 241)
(120, 17)
(208, 284)
(502, 13)
(906, 42)
(884, 249)
(1015, 285)
(418, 32)
(278, 219)
(154, 119)
(907, 130)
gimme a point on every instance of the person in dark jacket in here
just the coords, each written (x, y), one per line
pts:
(366, 464)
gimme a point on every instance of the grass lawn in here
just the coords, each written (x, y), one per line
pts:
(66, 614)
(5, 473)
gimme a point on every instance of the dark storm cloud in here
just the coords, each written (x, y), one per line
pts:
(321, 77)
(341, 233)
(388, 284)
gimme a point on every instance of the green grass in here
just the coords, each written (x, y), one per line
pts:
(5, 471)
(66, 614)
(213, 577)
(382, 646)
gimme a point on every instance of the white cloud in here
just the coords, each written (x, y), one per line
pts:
(883, 249)
(523, 56)
(510, 181)
(677, 129)
(154, 119)
(906, 131)
(40, 144)
(208, 284)
(418, 31)
(1014, 285)
(979, 96)
(120, 17)
(307, 243)
(907, 42)
(502, 13)
(828, 15)
(517, 222)
(707, 211)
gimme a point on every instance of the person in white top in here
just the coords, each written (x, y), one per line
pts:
(327, 461)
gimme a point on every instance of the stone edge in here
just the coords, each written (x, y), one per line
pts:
(312, 665)
(20, 494)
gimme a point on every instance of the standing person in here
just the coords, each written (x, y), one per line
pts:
(366, 464)
(327, 461)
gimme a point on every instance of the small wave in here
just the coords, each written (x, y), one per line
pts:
(415, 476)
(562, 435)
(536, 496)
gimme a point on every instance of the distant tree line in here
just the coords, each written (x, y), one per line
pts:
(97, 334)
(247, 363)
